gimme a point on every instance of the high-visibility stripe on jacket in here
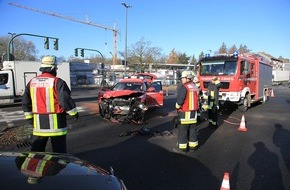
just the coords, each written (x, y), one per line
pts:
(187, 109)
(44, 102)
(191, 100)
(43, 95)
(47, 100)
(213, 95)
(34, 166)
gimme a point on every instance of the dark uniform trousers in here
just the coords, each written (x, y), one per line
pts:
(213, 116)
(187, 132)
(58, 144)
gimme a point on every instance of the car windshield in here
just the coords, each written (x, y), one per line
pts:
(128, 86)
(218, 68)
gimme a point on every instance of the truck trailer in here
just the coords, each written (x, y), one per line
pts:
(245, 78)
(280, 77)
(14, 76)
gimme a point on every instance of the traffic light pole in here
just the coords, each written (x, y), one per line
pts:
(82, 54)
(22, 34)
(82, 49)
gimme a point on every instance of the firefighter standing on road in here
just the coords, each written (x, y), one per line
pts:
(213, 102)
(200, 95)
(46, 102)
(187, 106)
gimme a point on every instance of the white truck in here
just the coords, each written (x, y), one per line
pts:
(280, 77)
(14, 76)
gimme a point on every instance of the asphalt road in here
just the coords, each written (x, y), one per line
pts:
(256, 159)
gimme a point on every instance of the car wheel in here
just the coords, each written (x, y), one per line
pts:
(101, 111)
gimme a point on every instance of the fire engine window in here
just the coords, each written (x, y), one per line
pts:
(252, 69)
(3, 78)
(244, 68)
(230, 67)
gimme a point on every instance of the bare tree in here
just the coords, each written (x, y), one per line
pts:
(232, 49)
(183, 58)
(20, 48)
(141, 54)
(222, 49)
(173, 57)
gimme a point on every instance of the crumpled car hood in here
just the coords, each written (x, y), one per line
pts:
(122, 93)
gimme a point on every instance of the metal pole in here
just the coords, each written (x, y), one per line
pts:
(126, 6)
(12, 44)
(126, 41)
(8, 46)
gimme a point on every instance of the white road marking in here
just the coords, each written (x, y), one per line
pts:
(10, 116)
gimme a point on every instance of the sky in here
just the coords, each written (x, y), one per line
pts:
(188, 26)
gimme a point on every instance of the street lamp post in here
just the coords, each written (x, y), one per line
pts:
(126, 6)
(12, 35)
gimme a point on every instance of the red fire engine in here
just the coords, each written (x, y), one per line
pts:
(245, 78)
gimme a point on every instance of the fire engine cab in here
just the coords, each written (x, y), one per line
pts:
(245, 78)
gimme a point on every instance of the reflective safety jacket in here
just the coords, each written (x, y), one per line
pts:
(39, 166)
(213, 94)
(187, 103)
(47, 101)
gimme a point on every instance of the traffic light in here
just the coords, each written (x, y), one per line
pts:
(55, 44)
(46, 43)
(76, 52)
(82, 53)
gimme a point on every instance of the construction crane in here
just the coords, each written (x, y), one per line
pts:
(75, 20)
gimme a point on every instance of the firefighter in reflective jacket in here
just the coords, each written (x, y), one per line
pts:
(187, 106)
(46, 102)
(200, 95)
(213, 102)
(37, 166)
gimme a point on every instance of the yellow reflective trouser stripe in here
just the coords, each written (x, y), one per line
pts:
(182, 146)
(47, 134)
(191, 121)
(193, 144)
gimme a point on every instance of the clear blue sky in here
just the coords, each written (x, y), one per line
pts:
(189, 26)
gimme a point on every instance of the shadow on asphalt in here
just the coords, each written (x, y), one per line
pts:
(266, 167)
(160, 170)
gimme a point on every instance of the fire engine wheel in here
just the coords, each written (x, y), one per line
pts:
(244, 106)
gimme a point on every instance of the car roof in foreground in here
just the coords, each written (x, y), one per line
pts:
(31, 170)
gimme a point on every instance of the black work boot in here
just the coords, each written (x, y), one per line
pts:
(193, 149)
(179, 151)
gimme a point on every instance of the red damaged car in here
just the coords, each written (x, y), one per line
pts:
(129, 99)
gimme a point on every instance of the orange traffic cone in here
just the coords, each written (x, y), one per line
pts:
(272, 93)
(243, 125)
(226, 182)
